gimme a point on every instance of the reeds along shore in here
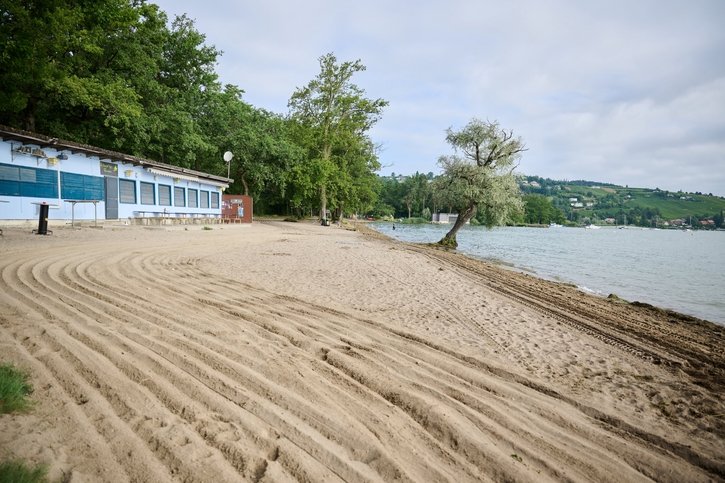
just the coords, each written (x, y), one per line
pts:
(290, 351)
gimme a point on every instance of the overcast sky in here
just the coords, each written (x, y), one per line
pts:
(629, 92)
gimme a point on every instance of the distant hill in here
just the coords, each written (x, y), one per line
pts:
(604, 202)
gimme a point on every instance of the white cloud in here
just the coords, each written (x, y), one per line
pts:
(613, 91)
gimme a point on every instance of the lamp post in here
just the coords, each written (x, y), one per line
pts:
(228, 158)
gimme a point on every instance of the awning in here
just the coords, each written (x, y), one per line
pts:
(186, 177)
(173, 175)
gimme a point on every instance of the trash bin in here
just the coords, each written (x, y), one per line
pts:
(43, 219)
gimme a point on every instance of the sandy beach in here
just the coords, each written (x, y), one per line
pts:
(294, 352)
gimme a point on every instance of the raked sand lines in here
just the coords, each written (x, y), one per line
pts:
(180, 374)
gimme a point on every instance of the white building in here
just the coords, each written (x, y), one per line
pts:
(444, 218)
(85, 183)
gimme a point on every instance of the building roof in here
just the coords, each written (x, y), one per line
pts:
(26, 137)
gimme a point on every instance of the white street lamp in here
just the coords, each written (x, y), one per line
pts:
(228, 158)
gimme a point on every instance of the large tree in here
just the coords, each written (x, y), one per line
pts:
(59, 60)
(110, 73)
(259, 140)
(540, 210)
(480, 177)
(336, 116)
(416, 193)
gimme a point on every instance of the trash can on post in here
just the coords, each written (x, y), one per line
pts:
(43, 219)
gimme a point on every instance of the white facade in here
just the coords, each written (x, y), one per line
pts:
(85, 183)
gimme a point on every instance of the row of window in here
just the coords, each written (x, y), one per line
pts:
(43, 183)
(31, 182)
(150, 192)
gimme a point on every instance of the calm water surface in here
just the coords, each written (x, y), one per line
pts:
(682, 271)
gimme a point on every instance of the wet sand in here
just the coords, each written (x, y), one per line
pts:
(294, 352)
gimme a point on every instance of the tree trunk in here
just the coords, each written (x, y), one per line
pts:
(29, 115)
(450, 239)
(326, 154)
(323, 202)
(246, 186)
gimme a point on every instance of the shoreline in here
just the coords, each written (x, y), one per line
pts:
(516, 287)
(689, 302)
(286, 351)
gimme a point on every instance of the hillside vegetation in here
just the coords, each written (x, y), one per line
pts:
(588, 201)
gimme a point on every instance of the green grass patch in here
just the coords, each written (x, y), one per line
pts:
(19, 472)
(14, 389)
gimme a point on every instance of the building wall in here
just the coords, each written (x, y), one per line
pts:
(27, 179)
(158, 206)
(237, 207)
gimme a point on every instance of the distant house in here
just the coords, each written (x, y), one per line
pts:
(535, 184)
(590, 204)
(573, 200)
(578, 205)
(445, 218)
(609, 221)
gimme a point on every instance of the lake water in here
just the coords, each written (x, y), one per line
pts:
(679, 270)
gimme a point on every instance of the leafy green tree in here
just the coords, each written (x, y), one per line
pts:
(540, 210)
(482, 178)
(108, 73)
(416, 193)
(391, 194)
(337, 115)
(363, 188)
(178, 95)
(260, 141)
(55, 64)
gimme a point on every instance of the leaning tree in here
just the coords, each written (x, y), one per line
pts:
(481, 177)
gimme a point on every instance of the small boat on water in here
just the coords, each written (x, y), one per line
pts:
(592, 227)
(555, 225)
